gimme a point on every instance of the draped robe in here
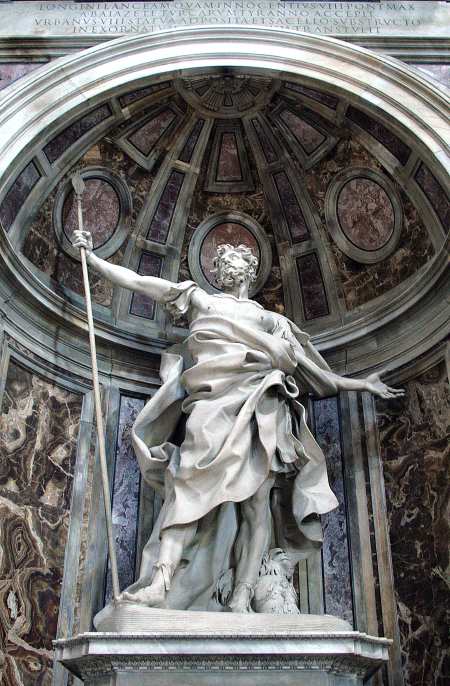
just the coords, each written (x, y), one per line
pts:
(237, 390)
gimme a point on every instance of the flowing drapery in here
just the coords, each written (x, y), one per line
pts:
(237, 389)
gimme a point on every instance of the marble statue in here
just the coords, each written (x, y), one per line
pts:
(225, 440)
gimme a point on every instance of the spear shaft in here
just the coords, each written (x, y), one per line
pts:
(78, 186)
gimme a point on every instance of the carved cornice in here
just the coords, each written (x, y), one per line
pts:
(92, 655)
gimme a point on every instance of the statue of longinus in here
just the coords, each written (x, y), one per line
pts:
(246, 474)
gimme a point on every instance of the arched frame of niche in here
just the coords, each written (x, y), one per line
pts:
(120, 233)
(343, 242)
(202, 231)
(41, 104)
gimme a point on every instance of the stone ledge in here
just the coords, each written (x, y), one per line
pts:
(309, 656)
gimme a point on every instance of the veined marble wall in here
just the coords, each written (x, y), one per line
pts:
(13, 71)
(38, 437)
(414, 433)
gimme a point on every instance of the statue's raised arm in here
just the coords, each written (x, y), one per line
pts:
(153, 286)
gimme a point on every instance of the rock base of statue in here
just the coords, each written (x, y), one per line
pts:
(138, 646)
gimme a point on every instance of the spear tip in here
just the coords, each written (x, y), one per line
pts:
(78, 183)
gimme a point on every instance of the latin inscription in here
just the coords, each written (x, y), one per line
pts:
(342, 18)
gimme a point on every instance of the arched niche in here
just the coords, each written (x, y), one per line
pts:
(38, 108)
(44, 104)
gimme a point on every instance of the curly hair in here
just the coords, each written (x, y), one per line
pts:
(244, 251)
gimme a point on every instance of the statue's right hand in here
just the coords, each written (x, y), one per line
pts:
(82, 239)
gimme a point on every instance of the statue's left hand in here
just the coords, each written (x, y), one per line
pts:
(377, 387)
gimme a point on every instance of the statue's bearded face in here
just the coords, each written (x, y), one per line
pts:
(235, 266)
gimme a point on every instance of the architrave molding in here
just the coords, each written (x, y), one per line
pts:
(406, 48)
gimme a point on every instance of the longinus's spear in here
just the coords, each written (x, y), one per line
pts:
(78, 186)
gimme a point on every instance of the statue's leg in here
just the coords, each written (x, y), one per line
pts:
(251, 544)
(173, 541)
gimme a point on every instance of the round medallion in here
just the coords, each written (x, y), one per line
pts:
(106, 204)
(101, 211)
(364, 214)
(234, 228)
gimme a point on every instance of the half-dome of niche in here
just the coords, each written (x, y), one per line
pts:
(229, 142)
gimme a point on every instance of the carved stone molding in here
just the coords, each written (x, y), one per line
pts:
(145, 140)
(305, 131)
(228, 168)
(364, 214)
(227, 95)
(353, 654)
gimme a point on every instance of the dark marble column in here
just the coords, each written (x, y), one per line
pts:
(335, 551)
(125, 495)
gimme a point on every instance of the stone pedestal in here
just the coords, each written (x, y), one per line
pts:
(215, 649)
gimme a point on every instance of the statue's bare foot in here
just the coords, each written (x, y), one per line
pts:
(241, 598)
(152, 596)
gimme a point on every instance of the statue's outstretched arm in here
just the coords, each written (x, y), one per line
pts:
(335, 383)
(156, 288)
(372, 384)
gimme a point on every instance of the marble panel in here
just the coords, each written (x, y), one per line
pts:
(42, 248)
(335, 549)
(142, 305)
(380, 132)
(147, 136)
(13, 71)
(414, 435)
(266, 145)
(229, 232)
(365, 213)
(435, 194)
(140, 93)
(125, 496)
(295, 220)
(63, 140)
(38, 436)
(306, 135)
(314, 297)
(324, 98)
(253, 203)
(228, 164)
(439, 72)
(17, 194)
(361, 283)
(160, 223)
(101, 211)
(189, 147)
